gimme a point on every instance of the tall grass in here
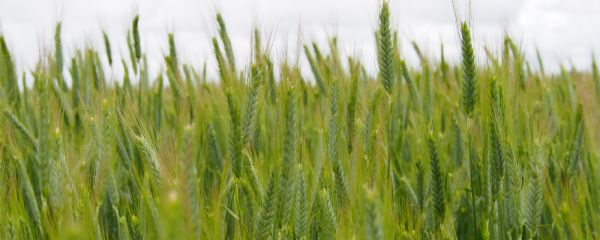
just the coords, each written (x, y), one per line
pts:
(473, 150)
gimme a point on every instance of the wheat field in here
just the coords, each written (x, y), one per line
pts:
(488, 148)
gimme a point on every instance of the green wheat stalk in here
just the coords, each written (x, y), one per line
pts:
(470, 85)
(385, 49)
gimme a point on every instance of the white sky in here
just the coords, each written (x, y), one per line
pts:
(565, 31)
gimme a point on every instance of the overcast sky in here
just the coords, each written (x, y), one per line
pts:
(565, 31)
